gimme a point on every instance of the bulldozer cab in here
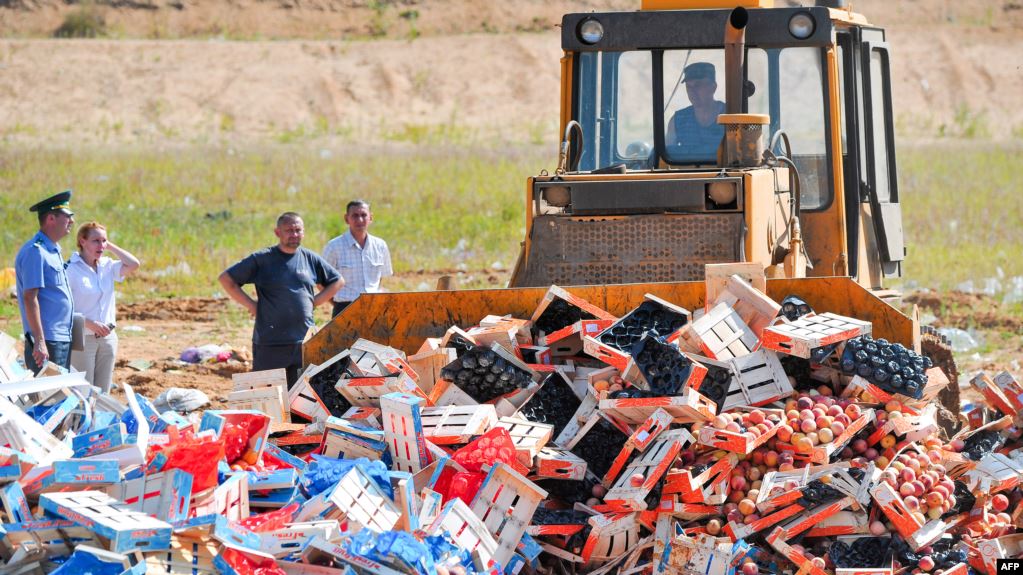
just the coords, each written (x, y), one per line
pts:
(644, 192)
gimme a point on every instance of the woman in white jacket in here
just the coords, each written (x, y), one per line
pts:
(92, 276)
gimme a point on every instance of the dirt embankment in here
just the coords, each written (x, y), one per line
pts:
(357, 69)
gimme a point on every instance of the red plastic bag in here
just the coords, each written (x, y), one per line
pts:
(198, 458)
(271, 520)
(246, 565)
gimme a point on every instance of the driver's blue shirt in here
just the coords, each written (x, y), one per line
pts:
(694, 141)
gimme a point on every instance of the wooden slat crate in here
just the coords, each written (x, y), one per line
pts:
(558, 293)
(719, 334)
(54, 537)
(428, 365)
(187, 556)
(740, 443)
(645, 434)
(528, 436)
(821, 454)
(751, 304)
(598, 443)
(701, 553)
(689, 407)
(708, 487)
(360, 504)
(907, 428)
(289, 540)
(371, 358)
(559, 463)
(568, 341)
(22, 433)
(777, 540)
(582, 415)
(269, 400)
(758, 379)
(364, 416)
(610, 536)
(452, 424)
(915, 533)
(994, 394)
(716, 277)
(1011, 388)
(654, 463)
(801, 337)
(1004, 547)
(230, 499)
(505, 503)
(165, 495)
(126, 529)
(842, 523)
(403, 431)
(302, 400)
(260, 379)
(342, 439)
(467, 530)
(366, 391)
(994, 473)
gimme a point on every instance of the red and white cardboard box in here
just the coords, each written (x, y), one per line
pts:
(802, 336)
(403, 431)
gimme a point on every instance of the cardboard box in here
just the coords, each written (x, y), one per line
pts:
(125, 528)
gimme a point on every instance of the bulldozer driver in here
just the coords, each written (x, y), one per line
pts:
(693, 133)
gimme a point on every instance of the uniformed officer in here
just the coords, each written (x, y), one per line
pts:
(44, 294)
(693, 132)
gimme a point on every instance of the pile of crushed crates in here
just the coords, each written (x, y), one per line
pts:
(751, 436)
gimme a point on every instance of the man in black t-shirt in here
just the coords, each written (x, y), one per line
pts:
(285, 276)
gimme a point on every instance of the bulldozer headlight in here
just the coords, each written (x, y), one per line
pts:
(802, 25)
(591, 31)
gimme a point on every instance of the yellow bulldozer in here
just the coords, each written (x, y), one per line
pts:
(700, 132)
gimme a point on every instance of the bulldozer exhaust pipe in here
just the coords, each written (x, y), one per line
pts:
(735, 56)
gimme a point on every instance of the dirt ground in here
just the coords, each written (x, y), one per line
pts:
(957, 69)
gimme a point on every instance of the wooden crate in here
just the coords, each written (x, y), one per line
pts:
(689, 407)
(821, 454)
(915, 533)
(619, 358)
(303, 400)
(165, 495)
(558, 293)
(505, 503)
(701, 553)
(126, 528)
(269, 400)
(1011, 388)
(777, 540)
(369, 416)
(359, 503)
(467, 530)
(24, 434)
(582, 415)
(186, 556)
(528, 436)
(801, 337)
(452, 424)
(229, 499)
(403, 431)
(366, 391)
(741, 443)
(994, 473)
(658, 422)
(994, 394)
(750, 303)
(908, 428)
(428, 365)
(720, 334)
(1004, 547)
(568, 341)
(845, 522)
(654, 463)
(717, 276)
(559, 463)
(292, 538)
(371, 358)
(54, 537)
(611, 535)
(709, 487)
(342, 439)
(758, 378)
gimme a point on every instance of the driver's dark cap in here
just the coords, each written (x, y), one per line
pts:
(56, 203)
(699, 71)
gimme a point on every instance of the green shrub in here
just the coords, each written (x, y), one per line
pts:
(84, 22)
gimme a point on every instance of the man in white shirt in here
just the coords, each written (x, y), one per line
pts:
(362, 259)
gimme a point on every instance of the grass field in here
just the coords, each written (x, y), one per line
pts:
(189, 213)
